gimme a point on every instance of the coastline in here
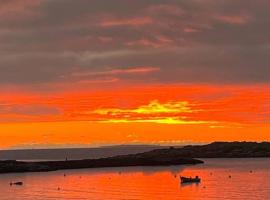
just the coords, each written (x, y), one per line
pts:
(142, 159)
(158, 157)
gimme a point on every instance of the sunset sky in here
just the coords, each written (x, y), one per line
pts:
(77, 73)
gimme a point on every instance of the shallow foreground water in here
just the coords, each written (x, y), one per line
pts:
(221, 179)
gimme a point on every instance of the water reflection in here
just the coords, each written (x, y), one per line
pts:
(189, 184)
(146, 183)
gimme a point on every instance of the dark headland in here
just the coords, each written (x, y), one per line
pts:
(75, 153)
(141, 159)
(157, 157)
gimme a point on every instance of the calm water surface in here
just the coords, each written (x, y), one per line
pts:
(146, 183)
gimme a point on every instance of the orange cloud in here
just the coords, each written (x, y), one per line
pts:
(154, 112)
(144, 114)
(17, 9)
(191, 30)
(157, 42)
(153, 107)
(223, 104)
(234, 19)
(135, 70)
(138, 21)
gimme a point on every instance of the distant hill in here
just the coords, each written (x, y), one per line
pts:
(220, 150)
(75, 153)
(161, 157)
(213, 150)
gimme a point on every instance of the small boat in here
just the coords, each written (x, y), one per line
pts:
(17, 183)
(190, 179)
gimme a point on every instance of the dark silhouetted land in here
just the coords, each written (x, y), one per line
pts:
(224, 150)
(75, 153)
(157, 157)
(152, 158)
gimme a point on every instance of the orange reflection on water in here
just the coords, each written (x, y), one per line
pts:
(147, 183)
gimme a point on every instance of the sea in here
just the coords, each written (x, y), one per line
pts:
(230, 179)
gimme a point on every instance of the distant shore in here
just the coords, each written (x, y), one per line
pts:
(158, 157)
(141, 159)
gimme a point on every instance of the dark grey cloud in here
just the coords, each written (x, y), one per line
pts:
(46, 41)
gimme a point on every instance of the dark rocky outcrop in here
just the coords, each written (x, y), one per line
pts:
(222, 150)
(152, 158)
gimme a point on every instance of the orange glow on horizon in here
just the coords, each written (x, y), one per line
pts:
(151, 114)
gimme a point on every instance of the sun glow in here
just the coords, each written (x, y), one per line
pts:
(154, 107)
(154, 112)
(195, 113)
